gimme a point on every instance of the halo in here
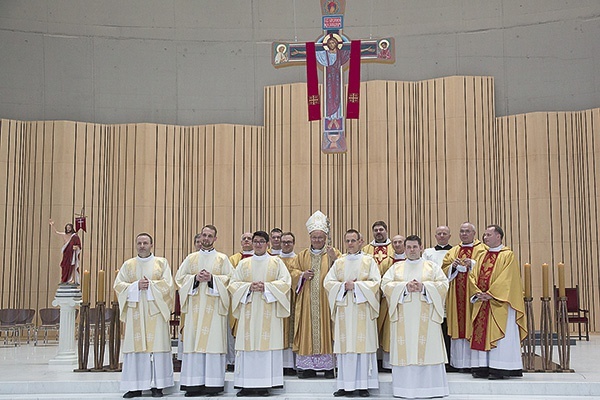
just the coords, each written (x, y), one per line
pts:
(382, 41)
(337, 37)
(281, 48)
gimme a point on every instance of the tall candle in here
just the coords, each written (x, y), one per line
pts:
(561, 280)
(545, 280)
(101, 285)
(86, 286)
(527, 280)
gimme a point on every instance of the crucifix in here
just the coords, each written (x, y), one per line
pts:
(333, 52)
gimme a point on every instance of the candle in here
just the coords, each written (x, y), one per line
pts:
(545, 280)
(561, 280)
(86, 286)
(527, 280)
(101, 285)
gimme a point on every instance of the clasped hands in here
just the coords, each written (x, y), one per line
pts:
(461, 265)
(414, 286)
(349, 285)
(203, 276)
(257, 286)
(143, 283)
(483, 296)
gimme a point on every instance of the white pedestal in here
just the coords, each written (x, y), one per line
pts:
(67, 298)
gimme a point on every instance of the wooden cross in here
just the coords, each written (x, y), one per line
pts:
(332, 55)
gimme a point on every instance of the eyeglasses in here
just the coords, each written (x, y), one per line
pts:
(287, 242)
(259, 241)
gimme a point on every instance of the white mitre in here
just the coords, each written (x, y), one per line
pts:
(318, 221)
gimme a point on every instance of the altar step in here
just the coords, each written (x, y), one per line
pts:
(104, 386)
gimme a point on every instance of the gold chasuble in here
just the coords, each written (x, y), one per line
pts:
(312, 323)
(416, 318)
(147, 319)
(384, 257)
(291, 264)
(260, 314)
(458, 305)
(498, 274)
(206, 309)
(354, 312)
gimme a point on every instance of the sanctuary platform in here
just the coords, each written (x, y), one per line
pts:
(26, 374)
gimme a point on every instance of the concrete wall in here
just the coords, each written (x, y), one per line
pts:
(207, 61)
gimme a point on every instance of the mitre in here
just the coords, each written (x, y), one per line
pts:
(318, 221)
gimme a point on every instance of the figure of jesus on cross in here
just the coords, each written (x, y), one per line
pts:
(333, 52)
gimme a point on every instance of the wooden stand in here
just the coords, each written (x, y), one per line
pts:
(529, 342)
(99, 337)
(114, 339)
(564, 339)
(546, 335)
(83, 338)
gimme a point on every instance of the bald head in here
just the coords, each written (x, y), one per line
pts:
(467, 233)
(398, 244)
(442, 235)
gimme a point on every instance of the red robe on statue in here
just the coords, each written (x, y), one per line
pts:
(70, 259)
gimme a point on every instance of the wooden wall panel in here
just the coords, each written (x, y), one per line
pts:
(422, 154)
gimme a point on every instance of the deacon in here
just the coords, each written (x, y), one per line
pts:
(313, 340)
(499, 323)
(259, 290)
(352, 286)
(457, 264)
(144, 286)
(290, 259)
(202, 279)
(416, 290)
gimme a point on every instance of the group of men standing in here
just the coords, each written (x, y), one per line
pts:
(321, 311)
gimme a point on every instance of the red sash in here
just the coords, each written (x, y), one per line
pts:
(480, 324)
(460, 291)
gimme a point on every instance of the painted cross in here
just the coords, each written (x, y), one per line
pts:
(333, 51)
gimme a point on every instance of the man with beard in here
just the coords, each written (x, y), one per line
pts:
(203, 278)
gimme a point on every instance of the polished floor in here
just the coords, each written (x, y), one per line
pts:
(26, 374)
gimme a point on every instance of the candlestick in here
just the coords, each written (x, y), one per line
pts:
(561, 280)
(101, 285)
(527, 280)
(86, 286)
(545, 280)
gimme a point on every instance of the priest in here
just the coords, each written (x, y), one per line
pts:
(498, 318)
(202, 279)
(259, 290)
(352, 286)
(416, 290)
